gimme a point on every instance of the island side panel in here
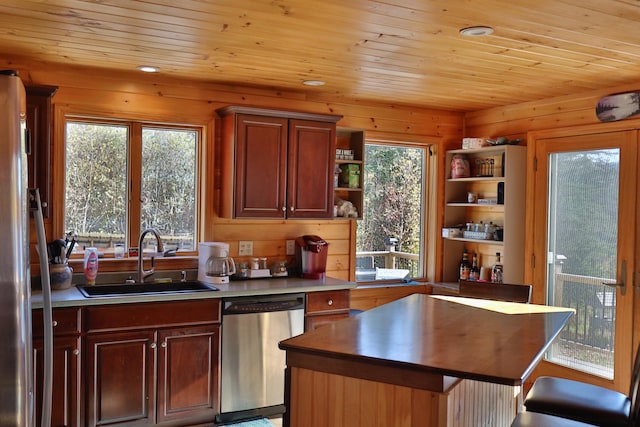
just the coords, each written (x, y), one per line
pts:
(475, 403)
(319, 399)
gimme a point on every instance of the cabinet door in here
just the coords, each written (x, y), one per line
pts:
(188, 373)
(65, 405)
(316, 321)
(120, 379)
(310, 171)
(261, 162)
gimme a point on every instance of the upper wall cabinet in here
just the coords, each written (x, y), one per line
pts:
(39, 126)
(276, 164)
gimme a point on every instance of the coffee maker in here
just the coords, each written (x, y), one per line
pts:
(311, 254)
(214, 263)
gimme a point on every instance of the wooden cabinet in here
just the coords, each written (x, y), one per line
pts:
(39, 154)
(325, 307)
(350, 155)
(65, 404)
(496, 174)
(187, 372)
(120, 378)
(153, 363)
(276, 164)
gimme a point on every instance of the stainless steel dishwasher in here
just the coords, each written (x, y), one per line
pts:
(252, 365)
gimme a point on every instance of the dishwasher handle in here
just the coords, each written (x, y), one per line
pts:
(263, 305)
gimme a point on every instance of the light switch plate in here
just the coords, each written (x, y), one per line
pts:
(245, 248)
(291, 247)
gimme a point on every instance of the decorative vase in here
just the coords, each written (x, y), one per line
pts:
(60, 276)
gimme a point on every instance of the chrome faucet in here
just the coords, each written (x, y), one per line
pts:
(142, 273)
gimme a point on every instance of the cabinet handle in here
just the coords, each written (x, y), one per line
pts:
(153, 345)
(329, 301)
(76, 352)
(284, 209)
(54, 323)
(163, 345)
(291, 209)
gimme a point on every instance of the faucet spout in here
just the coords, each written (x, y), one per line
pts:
(142, 273)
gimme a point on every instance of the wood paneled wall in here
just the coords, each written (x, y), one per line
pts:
(515, 121)
(161, 98)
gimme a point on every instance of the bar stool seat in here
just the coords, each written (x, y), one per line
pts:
(586, 402)
(533, 419)
(578, 401)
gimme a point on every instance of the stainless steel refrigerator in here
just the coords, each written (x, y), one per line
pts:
(16, 371)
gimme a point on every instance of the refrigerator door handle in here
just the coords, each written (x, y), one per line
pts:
(47, 382)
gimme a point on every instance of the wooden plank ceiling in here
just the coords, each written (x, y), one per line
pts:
(394, 51)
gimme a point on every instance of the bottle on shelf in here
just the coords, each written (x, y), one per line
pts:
(474, 274)
(465, 266)
(496, 270)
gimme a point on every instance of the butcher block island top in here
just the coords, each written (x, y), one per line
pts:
(427, 346)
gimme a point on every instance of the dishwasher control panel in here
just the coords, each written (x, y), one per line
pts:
(263, 304)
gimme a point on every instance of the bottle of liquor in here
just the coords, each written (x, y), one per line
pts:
(496, 270)
(475, 270)
(465, 267)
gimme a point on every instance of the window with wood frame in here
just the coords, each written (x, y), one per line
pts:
(124, 177)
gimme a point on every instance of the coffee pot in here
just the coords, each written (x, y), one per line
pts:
(214, 263)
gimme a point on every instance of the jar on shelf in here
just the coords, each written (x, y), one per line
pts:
(460, 167)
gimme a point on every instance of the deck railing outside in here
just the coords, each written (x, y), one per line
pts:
(587, 341)
(367, 263)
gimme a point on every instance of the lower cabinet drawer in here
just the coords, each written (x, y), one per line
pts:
(327, 301)
(66, 321)
(153, 314)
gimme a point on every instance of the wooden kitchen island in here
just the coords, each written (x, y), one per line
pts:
(423, 360)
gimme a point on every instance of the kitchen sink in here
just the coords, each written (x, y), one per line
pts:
(151, 288)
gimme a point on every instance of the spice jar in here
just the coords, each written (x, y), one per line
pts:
(243, 270)
(279, 268)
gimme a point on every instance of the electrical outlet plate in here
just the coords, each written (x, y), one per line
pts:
(291, 247)
(245, 248)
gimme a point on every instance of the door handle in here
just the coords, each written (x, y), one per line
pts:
(622, 283)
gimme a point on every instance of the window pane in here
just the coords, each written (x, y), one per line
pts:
(95, 188)
(583, 230)
(389, 236)
(169, 185)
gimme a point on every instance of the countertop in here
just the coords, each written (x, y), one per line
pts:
(433, 335)
(73, 298)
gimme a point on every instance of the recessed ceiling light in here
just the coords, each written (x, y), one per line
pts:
(477, 31)
(148, 69)
(313, 83)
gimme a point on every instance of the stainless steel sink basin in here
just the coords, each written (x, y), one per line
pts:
(151, 288)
